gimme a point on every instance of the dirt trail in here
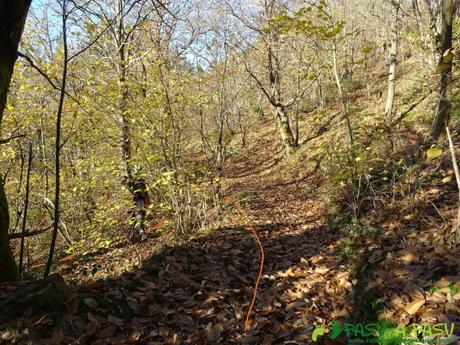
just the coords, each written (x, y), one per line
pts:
(199, 293)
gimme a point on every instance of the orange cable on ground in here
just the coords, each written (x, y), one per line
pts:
(256, 287)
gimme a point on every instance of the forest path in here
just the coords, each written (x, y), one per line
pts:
(199, 292)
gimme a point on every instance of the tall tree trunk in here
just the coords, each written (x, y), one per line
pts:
(282, 121)
(43, 156)
(433, 13)
(427, 42)
(123, 93)
(58, 144)
(351, 50)
(26, 207)
(125, 140)
(133, 180)
(418, 17)
(223, 104)
(441, 120)
(343, 101)
(8, 268)
(13, 14)
(393, 61)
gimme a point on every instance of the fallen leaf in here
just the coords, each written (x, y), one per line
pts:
(114, 320)
(376, 256)
(92, 318)
(107, 332)
(268, 339)
(322, 270)
(303, 262)
(56, 337)
(249, 339)
(414, 307)
(90, 302)
(213, 332)
(434, 152)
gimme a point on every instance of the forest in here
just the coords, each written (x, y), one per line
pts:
(229, 172)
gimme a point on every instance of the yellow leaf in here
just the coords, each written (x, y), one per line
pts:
(434, 152)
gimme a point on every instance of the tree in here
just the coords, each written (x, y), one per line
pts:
(13, 15)
(58, 143)
(393, 61)
(441, 120)
(271, 80)
(434, 11)
(124, 19)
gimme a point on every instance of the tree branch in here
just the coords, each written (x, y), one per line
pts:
(259, 83)
(48, 79)
(12, 137)
(29, 233)
(38, 69)
(295, 99)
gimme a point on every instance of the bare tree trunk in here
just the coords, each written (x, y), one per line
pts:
(125, 137)
(320, 91)
(284, 128)
(8, 268)
(441, 120)
(282, 119)
(125, 140)
(418, 17)
(273, 89)
(221, 146)
(26, 207)
(351, 50)
(43, 156)
(421, 31)
(57, 145)
(135, 183)
(433, 12)
(343, 101)
(393, 61)
(13, 14)
(242, 130)
(297, 111)
(18, 190)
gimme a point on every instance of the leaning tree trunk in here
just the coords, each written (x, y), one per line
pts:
(441, 120)
(282, 119)
(285, 130)
(12, 19)
(393, 61)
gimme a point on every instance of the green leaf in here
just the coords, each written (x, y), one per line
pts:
(434, 152)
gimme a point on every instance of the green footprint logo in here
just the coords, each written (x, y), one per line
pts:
(318, 331)
(337, 328)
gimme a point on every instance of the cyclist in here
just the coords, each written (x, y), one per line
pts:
(138, 188)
